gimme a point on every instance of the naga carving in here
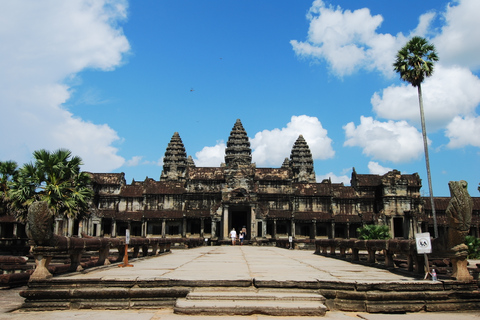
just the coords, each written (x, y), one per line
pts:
(459, 217)
(39, 227)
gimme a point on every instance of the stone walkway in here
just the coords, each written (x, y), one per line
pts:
(229, 263)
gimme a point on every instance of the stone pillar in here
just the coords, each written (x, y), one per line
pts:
(184, 227)
(274, 235)
(292, 232)
(15, 230)
(348, 230)
(214, 229)
(202, 227)
(264, 228)
(70, 222)
(114, 228)
(225, 222)
(164, 228)
(332, 232)
(314, 231)
(144, 228)
(253, 227)
(98, 229)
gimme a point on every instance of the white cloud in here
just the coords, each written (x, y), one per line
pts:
(334, 178)
(449, 92)
(347, 40)
(376, 168)
(463, 132)
(135, 161)
(387, 141)
(44, 44)
(211, 156)
(272, 147)
(458, 43)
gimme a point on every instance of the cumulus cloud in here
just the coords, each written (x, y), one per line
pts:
(135, 161)
(449, 92)
(44, 45)
(347, 40)
(463, 132)
(457, 43)
(271, 147)
(211, 156)
(376, 168)
(388, 141)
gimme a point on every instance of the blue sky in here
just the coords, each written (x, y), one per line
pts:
(112, 80)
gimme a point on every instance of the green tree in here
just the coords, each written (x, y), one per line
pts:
(54, 177)
(414, 63)
(8, 172)
(373, 232)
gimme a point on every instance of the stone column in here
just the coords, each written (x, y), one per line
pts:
(332, 232)
(114, 228)
(15, 230)
(144, 228)
(292, 232)
(164, 228)
(274, 235)
(70, 227)
(348, 230)
(225, 222)
(98, 229)
(264, 228)
(214, 228)
(253, 228)
(184, 227)
(314, 231)
(202, 227)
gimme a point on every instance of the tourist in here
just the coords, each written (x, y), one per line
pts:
(233, 236)
(243, 234)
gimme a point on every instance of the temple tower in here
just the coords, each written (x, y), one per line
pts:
(238, 150)
(301, 162)
(175, 160)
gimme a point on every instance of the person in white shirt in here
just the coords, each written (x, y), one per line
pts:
(233, 236)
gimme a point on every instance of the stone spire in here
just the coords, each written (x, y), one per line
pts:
(175, 160)
(238, 147)
(301, 162)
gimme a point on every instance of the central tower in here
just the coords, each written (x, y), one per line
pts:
(238, 150)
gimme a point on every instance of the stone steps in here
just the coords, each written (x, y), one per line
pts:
(247, 301)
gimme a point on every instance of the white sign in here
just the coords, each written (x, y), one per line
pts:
(424, 245)
(290, 239)
(127, 236)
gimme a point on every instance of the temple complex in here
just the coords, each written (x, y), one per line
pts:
(271, 203)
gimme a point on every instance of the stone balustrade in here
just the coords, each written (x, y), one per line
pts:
(389, 248)
(76, 247)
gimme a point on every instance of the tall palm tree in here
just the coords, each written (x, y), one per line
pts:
(55, 177)
(414, 63)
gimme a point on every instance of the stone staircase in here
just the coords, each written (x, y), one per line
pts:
(251, 300)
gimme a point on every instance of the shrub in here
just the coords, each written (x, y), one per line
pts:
(473, 245)
(374, 232)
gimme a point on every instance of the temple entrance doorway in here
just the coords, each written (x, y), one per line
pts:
(240, 216)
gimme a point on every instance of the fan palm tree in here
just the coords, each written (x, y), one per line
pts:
(414, 63)
(55, 177)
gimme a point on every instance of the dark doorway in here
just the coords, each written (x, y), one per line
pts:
(398, 227)
(239, 218)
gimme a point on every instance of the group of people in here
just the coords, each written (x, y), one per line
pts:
(241, 235)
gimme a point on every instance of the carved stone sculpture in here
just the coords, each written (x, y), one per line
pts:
(39, 226)
(459, 217)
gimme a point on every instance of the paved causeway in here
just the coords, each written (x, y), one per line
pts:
(228, 263)
(243, 263)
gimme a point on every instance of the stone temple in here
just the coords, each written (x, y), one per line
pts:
(272, 203)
